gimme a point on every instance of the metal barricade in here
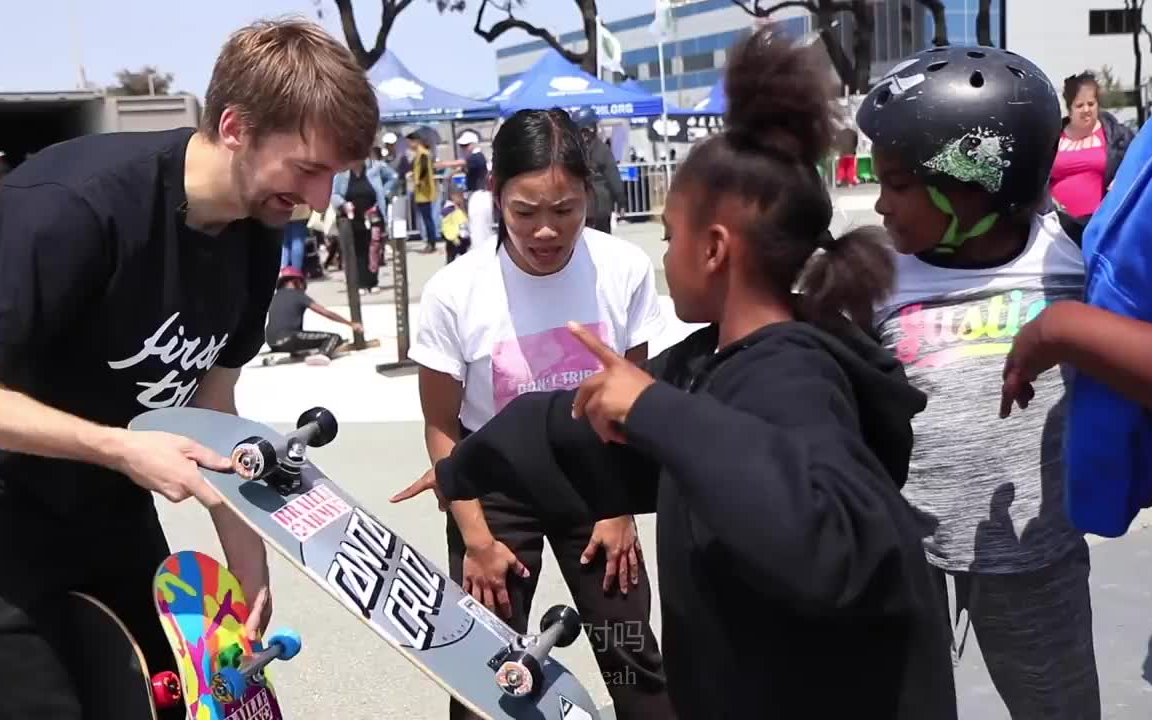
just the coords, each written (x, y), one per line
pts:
(646, 188)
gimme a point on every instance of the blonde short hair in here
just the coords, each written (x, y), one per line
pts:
(290, 74)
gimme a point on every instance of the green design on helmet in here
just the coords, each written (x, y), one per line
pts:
(978, 115)
(977, 157)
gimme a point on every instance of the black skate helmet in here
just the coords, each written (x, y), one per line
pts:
(979, 115)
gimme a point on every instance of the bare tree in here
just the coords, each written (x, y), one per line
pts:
(587, 60)
(389, 11)
(854, 72)
(984, 23)
(939, 21)
(146, 81)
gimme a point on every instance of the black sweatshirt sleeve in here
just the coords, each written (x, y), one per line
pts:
(781, 481)
(55, 259)
(534, 450)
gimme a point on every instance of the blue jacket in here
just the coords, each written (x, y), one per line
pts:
(380, 175)
(1108, 443)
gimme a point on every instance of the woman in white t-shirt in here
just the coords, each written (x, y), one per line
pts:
(493, 326)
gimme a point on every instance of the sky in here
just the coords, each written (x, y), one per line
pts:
(46, 41)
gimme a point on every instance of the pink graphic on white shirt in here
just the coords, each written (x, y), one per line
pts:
(548, 360)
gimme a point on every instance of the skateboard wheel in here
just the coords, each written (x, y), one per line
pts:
(253, 458)
(166, 692)
(569, 620)
(228, 685)
(289, 642)
(324, 420)
(519, 675)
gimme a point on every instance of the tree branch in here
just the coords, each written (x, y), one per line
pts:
(389, 11)
(351, 32)
(755, 10)
(512, 23)
(984, 23)
(939, 21)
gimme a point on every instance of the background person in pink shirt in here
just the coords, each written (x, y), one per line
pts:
(1091, 148)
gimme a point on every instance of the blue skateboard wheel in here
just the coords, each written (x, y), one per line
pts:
(289, 642)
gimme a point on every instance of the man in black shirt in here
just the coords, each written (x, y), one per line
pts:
(607, 187)
(135, 273)
(285, 331)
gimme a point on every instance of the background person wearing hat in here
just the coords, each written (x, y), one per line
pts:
(607, 187)
(285, 329)
(476, 193)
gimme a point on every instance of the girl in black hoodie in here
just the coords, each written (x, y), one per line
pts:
(772, 444)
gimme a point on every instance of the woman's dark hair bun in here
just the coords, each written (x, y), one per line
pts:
(780, 125)
(780, 97)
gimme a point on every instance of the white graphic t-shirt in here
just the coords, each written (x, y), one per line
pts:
(994, 489)
(502, 332)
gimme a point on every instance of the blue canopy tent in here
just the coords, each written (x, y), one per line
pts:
(404, 98)
(555, 82)
(715, 104)
(635, 86)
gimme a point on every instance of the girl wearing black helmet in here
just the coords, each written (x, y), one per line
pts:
(963, 142)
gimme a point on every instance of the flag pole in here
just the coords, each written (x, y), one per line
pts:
(659, 26)
(664, 112)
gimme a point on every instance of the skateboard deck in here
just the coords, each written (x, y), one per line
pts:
(108, 667)
(203, 611)
(385, 582)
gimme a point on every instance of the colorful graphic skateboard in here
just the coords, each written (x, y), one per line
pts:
(403, 597)
(203, 611)
(108, 667)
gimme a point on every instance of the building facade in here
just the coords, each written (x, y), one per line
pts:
(1062, 37)
(1071, 36)
(694, 54)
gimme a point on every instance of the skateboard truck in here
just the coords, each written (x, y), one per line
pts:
(520, 671)
(237, 672)
(280, 464)
(166, 692)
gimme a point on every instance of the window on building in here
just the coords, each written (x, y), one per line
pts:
(1111, 22)
(703, 61)
(632, 71)
(654, 68)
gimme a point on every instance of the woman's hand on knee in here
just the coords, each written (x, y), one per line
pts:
(621, 544)
(485, 575)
